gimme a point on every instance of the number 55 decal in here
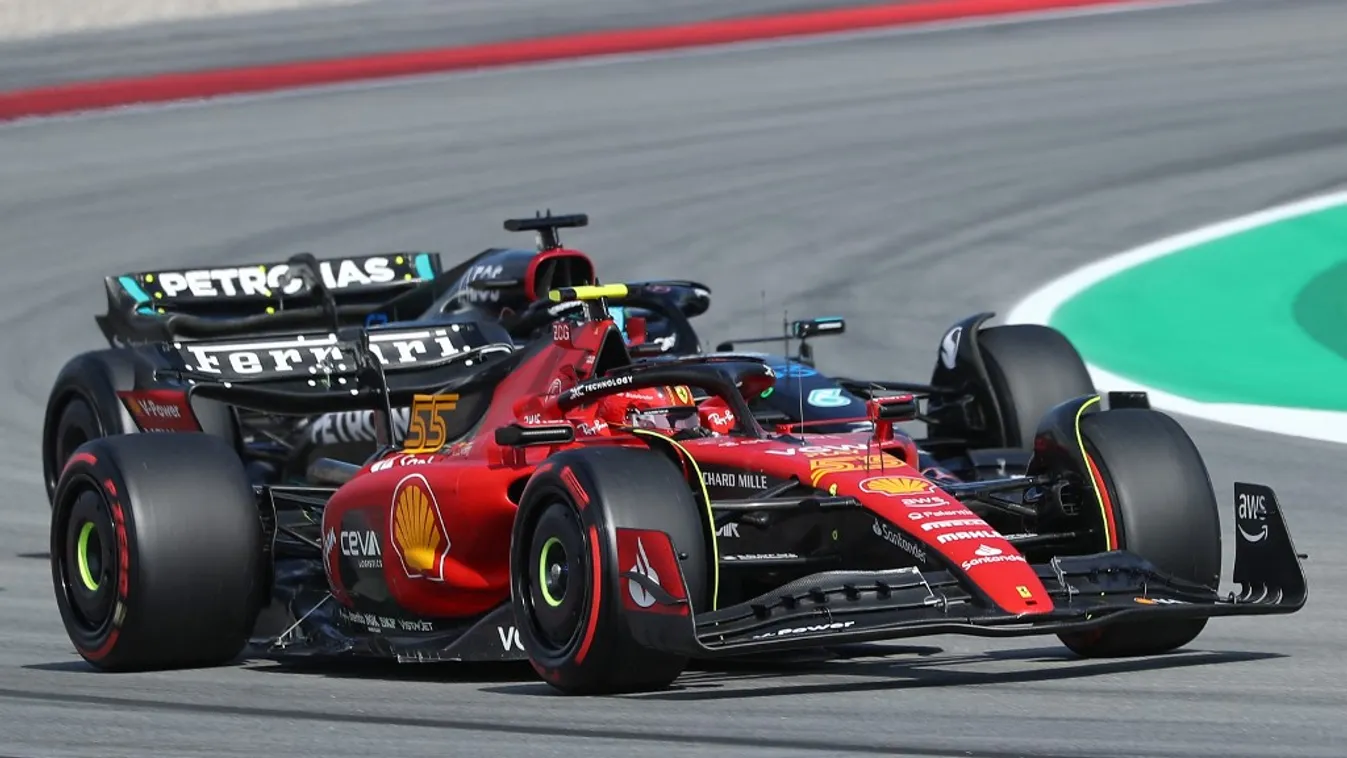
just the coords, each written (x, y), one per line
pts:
(428, 427)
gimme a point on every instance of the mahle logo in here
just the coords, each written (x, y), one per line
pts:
(419, 536)
(895, 485)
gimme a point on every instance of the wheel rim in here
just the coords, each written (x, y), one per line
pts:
(87, 564)
(89, 557)
(553, 577)
(558, 551)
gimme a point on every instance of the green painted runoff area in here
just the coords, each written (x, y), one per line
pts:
(1257, 318)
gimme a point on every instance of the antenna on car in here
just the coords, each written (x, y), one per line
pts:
(799, 375)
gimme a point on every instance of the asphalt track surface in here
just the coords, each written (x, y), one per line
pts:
(901, 180)
(361, 29)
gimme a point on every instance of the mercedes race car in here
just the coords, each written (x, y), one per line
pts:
(565, 503)
(115, 390)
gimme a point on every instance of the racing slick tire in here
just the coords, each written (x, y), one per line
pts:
(83, 405)
(566, 587)
(1031, 369)
(1159, 496)
(157, 552)
(77, 424)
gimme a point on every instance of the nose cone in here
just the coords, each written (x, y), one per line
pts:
(961, 538)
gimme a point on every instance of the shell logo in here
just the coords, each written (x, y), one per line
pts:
(417, 528)
(896, 485)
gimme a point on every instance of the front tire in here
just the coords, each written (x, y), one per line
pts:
(566, 588)
(1031, 369)
(156, 552)
(1159, 504)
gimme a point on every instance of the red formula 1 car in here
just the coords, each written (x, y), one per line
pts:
(564, 503)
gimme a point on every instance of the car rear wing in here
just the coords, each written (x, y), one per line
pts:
(320, 372)
(300, 292)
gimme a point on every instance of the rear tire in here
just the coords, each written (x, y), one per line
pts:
(565, 583)
(1032, 369)
(1163, 509)
(76, 425)
(157, 552)
(84, 403)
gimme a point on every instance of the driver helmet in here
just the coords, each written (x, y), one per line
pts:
(669, 409)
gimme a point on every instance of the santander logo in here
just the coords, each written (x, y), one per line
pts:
(985, 554)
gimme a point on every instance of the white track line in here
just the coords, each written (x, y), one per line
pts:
(1039, 307)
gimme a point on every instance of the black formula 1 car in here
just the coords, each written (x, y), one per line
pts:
(114, 391)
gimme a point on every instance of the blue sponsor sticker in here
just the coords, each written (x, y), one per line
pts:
(828, 397)
(792, 370)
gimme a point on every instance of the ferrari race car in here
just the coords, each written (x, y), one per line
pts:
(564, 503)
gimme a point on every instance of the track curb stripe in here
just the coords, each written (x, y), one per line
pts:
(84, 96)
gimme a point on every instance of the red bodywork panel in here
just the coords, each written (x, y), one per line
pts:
(431, 533)
(854, 466)
(160, 410)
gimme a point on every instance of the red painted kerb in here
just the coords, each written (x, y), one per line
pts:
(81, 96)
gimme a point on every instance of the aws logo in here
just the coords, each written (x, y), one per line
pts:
(417, 527)
(896, 485)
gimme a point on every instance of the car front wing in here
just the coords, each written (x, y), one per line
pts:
(1087, 591)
